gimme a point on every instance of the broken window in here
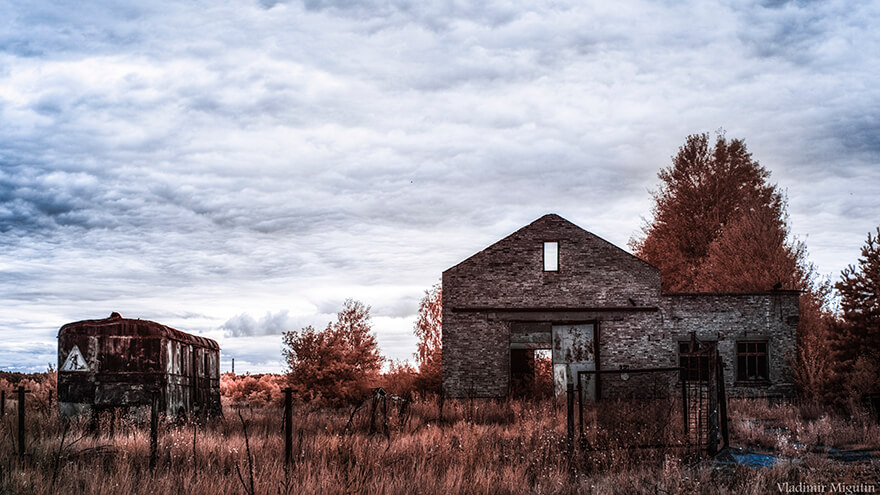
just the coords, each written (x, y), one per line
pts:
(695, 365)
(551, 256)
(751, 361)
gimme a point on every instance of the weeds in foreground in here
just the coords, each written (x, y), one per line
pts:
(513, 446)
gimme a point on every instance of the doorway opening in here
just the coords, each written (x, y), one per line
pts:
(531, 373)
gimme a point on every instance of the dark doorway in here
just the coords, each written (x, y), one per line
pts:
(531, 373)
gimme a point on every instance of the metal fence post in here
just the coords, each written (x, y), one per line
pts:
(154, 429)
(440, 399)
(288, 426)
(21, 392)
(684, 403)
(570, 397)
(580, 393)
(712, 425)
(2, 402)
(722, 403)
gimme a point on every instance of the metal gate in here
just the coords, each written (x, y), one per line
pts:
(702, 404)
(703, 396)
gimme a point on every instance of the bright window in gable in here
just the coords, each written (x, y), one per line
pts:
(551, 256)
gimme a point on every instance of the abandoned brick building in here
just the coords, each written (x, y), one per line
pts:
(120, 362)
(552, 285)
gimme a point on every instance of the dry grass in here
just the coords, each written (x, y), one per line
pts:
(477, 447)
(797, 429)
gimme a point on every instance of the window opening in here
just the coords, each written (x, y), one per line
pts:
(695, 364)
(551, 256)
(751, 361)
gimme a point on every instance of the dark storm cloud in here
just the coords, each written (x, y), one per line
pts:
(860, 133)
(789, 30)
(241, 167)
(32, 199)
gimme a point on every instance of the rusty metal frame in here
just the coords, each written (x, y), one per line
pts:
(577, 388)
(703, 400)
(705, 394)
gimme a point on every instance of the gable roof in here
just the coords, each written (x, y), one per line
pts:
(551, 220)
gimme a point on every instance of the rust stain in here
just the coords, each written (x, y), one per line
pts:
(121, 362)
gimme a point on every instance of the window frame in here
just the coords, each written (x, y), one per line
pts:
(690, 355)
(544, 258)
(742, 373)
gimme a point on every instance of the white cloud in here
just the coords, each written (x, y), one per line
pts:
(251, 158)
(244, 325)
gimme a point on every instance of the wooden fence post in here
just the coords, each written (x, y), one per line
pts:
(375, 403)
(154, 429)
(112, 425)
(2, 402)
(195, 426)
(21, 392)
(441, 399)
(288, 426)
(385, 415)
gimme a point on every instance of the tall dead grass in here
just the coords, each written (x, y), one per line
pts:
(791, 428)
(513, 446)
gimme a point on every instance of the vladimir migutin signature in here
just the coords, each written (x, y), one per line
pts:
(787, 487)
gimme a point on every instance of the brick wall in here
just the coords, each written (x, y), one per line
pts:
(476, 355)
(728, 318)
(651, 340)
(596, 282)
(592, 272)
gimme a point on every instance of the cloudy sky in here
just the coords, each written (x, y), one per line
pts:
(238, 168)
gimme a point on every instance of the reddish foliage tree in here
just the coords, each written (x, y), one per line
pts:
(543, 382)
(814, 366)
(751, 253)
(719, 226)
(401, 379)
(429, 330)
(337, 365)
(858, 341)
(254, 390)
(40, 385)
(703, 192)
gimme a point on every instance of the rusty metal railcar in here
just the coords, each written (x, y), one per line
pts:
(119, 363)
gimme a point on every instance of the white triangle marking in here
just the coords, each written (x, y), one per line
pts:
(75, 361)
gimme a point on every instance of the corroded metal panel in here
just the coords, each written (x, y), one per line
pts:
(118, 362)
(573, 351)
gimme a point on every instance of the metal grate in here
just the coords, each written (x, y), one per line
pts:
(702, 425)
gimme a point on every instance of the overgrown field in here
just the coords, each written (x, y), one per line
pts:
(475, 447)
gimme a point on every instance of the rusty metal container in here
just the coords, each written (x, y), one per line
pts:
(120, 362)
